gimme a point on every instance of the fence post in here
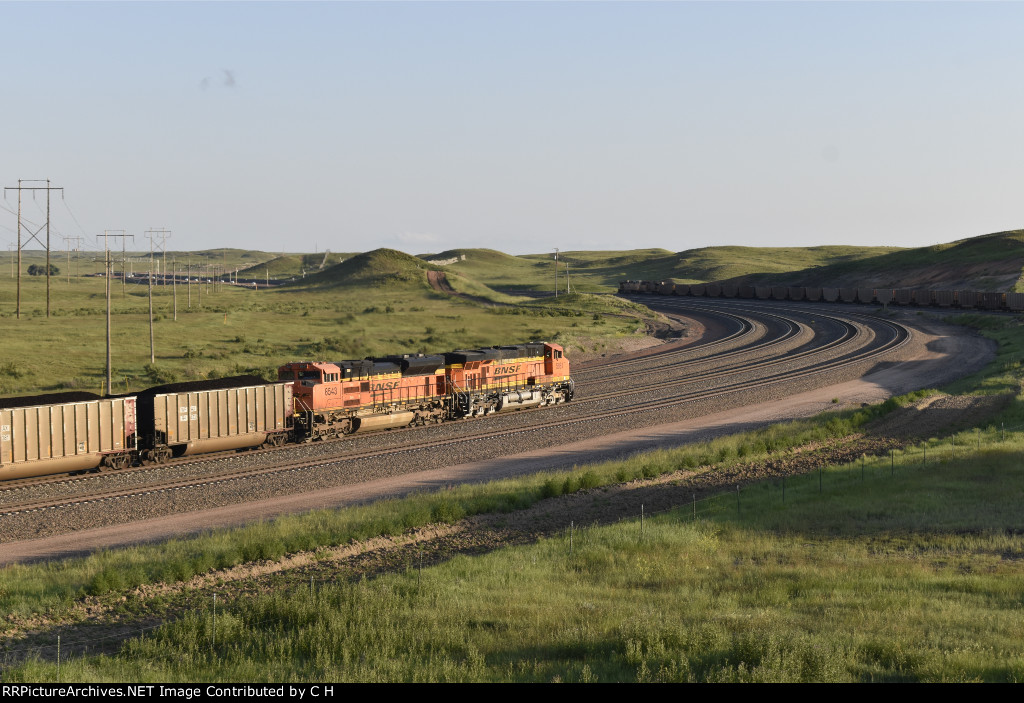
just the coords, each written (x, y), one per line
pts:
(58, 658)
(214, 622)
(641, 520)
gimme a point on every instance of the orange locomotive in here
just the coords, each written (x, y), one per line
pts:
(340, 398)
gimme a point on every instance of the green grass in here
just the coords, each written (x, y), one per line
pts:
(1004, 374)
(913, 577)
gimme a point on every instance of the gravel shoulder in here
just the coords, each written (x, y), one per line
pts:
(938, 354)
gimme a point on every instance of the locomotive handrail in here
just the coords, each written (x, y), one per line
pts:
(462, 396)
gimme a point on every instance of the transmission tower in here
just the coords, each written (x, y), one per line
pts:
(161, 234)
(78, 246)
(556, 272)
(78, 256)
(33, 235)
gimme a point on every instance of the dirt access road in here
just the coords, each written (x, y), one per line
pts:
(939, 354)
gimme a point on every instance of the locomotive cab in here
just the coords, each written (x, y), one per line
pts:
(555, 363)
(314, 382)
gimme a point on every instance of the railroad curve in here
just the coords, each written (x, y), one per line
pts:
(770, 353)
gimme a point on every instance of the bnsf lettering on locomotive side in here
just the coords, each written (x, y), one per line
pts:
(507, 369)
(385, 385)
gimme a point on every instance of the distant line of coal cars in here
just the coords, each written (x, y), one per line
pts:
(966, 299)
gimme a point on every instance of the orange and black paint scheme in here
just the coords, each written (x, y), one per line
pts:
(340, 398)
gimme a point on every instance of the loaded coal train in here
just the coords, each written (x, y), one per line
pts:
(964, 299)
(77, 432)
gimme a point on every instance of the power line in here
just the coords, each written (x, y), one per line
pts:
(68, 208)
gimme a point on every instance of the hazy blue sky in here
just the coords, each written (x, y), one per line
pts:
(517, 126)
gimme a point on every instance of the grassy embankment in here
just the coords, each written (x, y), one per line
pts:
(372, 304)
(909, 575)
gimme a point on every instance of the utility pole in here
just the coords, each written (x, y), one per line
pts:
(78, 248)
(32, 236)
(67, 247)
(556, 272)
(119, 233)
(567, 290)
(188, 278)
(108, 271)
(124, 278)
(174, 286)
(162, 234)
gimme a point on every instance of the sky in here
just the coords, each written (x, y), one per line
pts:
(517, 126)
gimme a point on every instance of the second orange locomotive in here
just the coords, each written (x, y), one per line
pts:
(340, 398)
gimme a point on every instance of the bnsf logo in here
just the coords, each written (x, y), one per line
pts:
(385, 385)
(507, 369)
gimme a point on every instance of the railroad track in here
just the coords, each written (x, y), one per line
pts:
(764, 349)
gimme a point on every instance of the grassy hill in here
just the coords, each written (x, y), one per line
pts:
(498, 270)
(989, 262)
(589, 272)
(292, 265)
(720, 263)
(378, 268)
(601, 271)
